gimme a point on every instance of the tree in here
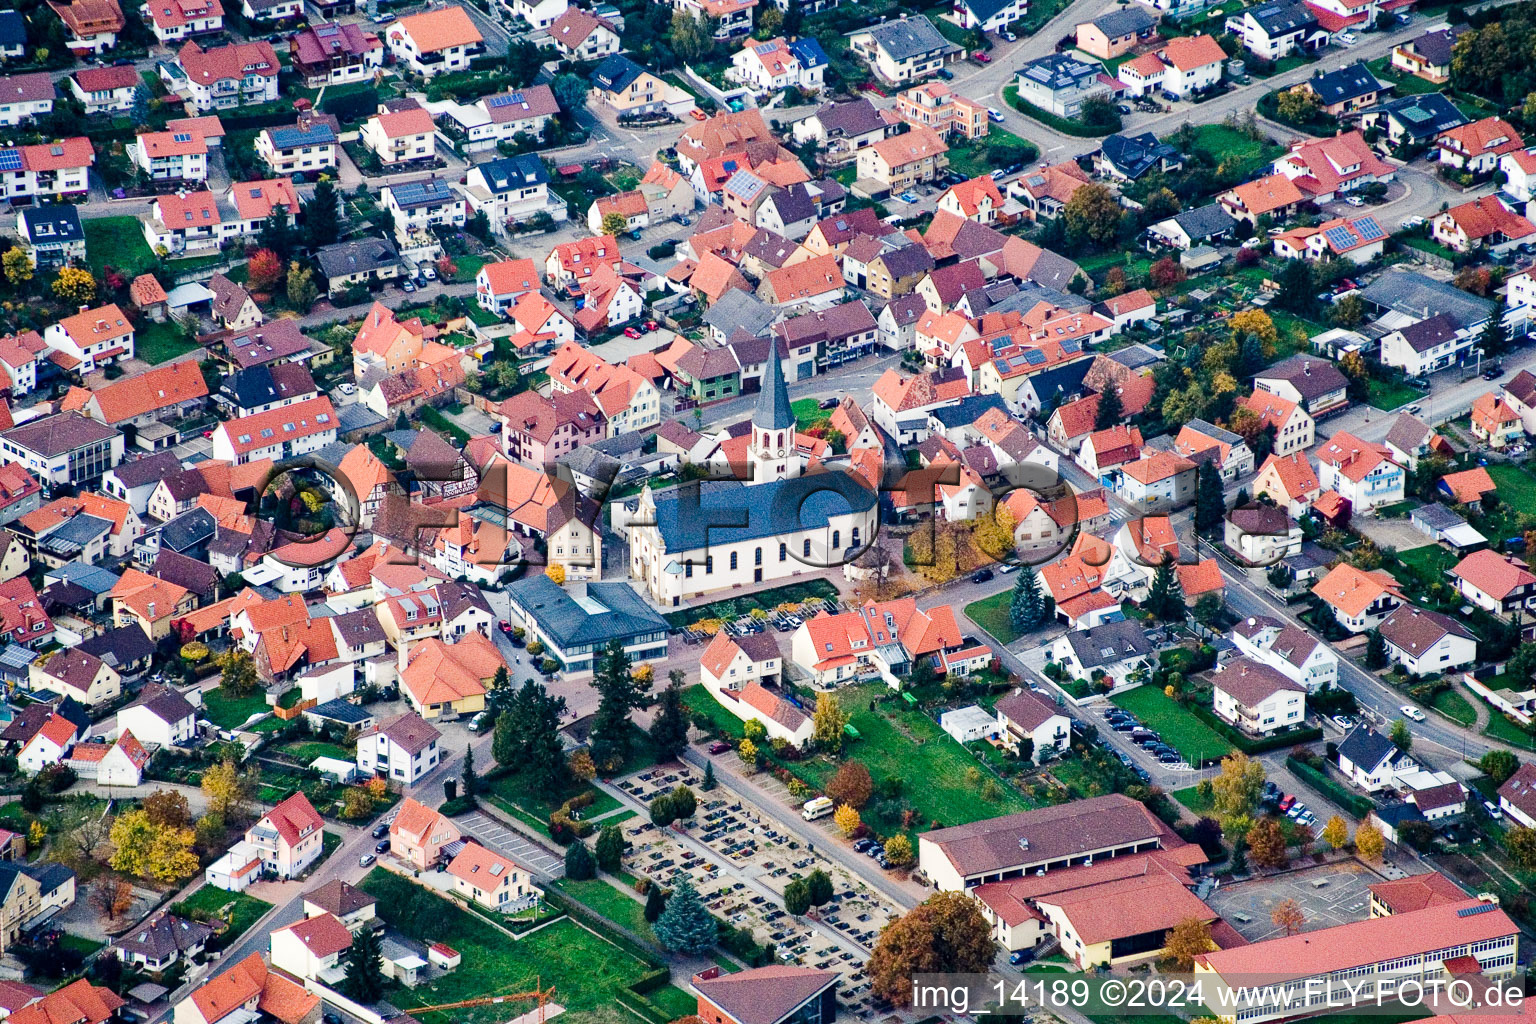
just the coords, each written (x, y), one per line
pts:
(1093, 215)
(239, 673)
(945, 934)
(797, 897)
(1165, 600)
(1165, 273)
(1110, 410)
(620, 694)
(669, 729)
(263, 269)
(18, 266)
(769, 22)
(684, 803)
(75, 286)
(471, 784)
(828, 722)
(528, 737)
(322, 216)
(1188, 939)
(1336, 833)
(1375, 649)
(614, 224)
(1494, 340)
(692, 35)
(302, 290)
(1287, 914)
(1266, 844)
(686, 926)
(1026, 610)
(709, 777)
(847, 819)
(1239, 786)
(167, 807)
(1296, 292)
(663, 813)
(747, 751)
(152, 851)
(655, 903)
(851, 785)
(1348, 312)
(1297, 106)
(1370, 843)
(365, 966)
(570, 92)
(277, 232)
(356, 803)
(113, 896)
(227, 790)
(1499, 765)
(579, 864)
(610, 849)
(1400, 736)
(1520, 841)
(819, 884)
(1255, 323)
(898, 850)
(1210, 501)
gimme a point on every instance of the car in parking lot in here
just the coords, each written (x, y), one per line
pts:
(1122, 725)
(1354, 200)
(719, 747)
(380, 831)
(1348, 39)
(995, 115)
(1412, 712)
(907, 197)
(1287, 800)
(382, 846)
(631, 332)
(981, 576)
(946, 74)
(863, 844)
(428, 274)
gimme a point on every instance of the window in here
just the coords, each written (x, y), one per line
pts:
(807, 548)
(733, 560)
(837, 539)
(783, 551)
(709, 564)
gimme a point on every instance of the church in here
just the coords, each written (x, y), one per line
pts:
(780, 523)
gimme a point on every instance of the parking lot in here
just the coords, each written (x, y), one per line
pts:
(1329, 895)
(740, 865)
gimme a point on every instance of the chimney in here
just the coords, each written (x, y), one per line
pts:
(151, 610)
(83, 308)
(1306, 368)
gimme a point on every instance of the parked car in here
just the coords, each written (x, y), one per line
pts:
(1287, 801)
(1006, 568)
(1008, 36)
(981, 58)
(379, 831)
(406, 285)
(365, 860)
(1348, 39)
(382, 846)
(1412, 712)
(1354, 200)
(651, 325)
(347, 388)
(946, 74)
(981, 576)
(428, 274)
(828, 403)
(719, 747)
(861, 845)
(995, 115)
(631, 332)
(1493, 809)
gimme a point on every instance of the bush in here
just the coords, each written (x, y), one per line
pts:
(458, 805)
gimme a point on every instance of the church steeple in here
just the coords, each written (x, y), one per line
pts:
(773, 426)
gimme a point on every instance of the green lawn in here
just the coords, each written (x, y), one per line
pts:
(896, 743)
(1403, 85)
(306, 751)
(808, 413)
(608, 900)
(227, 712)
(1178, 726)
(468, 266)
(1501, 728)
(1386, 395)
(674, 1001)
(210, 902)
(116, 242)
(1455, 707)
(1231, 147)
(79, 944)
(1517, 488)
(510, 794)
(1428, 563)
(584, 969)
(991, 614)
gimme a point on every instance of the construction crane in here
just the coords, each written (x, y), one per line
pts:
(541, 994)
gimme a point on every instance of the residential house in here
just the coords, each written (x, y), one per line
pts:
(1157, 481)
(1116, 32)
(1358, 239)
(1203, 225)
(310, 948)
(903, 49)
(173, 20)
(1371, 761)
(47, 170)
(224, 77)
(53, 236)
(1483, 223)
(400, 137)
(1427, 56)
(1128, 157)
(777, 64)
(631, 90)
(1498, 583)
(1314, 384)
(1325, 169)
(1344, 90)
(1413, 121)
(73, 673)
(583, 36)
(509, 190)
(309, 145)
(1360, 472)
(358, 264)
(491, 880)
(1477, 147)
(1517, 796)
(248, 989)
(1519, 393)
(278, 433)
(1274, 196)
(1295, 429)
(901, 161)
(1359, 600)
(420, 206)
(90, 26)
(1275, 30)
(843, 129)
(335, 53)
(1256, 698)
(1023, 715)
(934, 105)
(1290, 650)
(159, 716)
(162, 940)
(66, 448)
(499, 285)
(110, 90)
(403, 749)
(1426, 642)
(1059, 82)
(434, 42)
(1261, 535)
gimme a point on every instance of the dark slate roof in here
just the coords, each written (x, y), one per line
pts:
(571, 622)
(52, 436)
(359, 628)
(1134, 155)
(1312, 376)
(984, 9)
(1366, 747)
(1436, 45)
(188, 530)
(92, 577)
(1437, 517)
(725, 511)
(1135, 357)
(615, 73)
(737, 308)
(908, 260)
(365, 254)
(148, 470)
(793, 204)
(314, 133)
(13, 29)
(60, 219)
(1280, 18)
(1413, 294)
(808, 52)
(1110, 643)
(164, 702)
(772, 411)
(856, 117)
(341, 711)
(1125, 21)
(1421, 117)
(909, 37)
(1057, 71)
(268, 382)
(1060, 380)
(907, 309)
(1346, 83)
(967, 411)
(1408, 432)
(187, 573)
(513, 172)
(339, 898)
(164, 936)
(1427, 334)
(1205, 221)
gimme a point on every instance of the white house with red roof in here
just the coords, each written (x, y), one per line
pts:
(1193, 64)
(400, 136)
(1360, 471)
(500, 286)
(254, 201)
(730, 18)
(172, 20)
(1478, 147)
(224, 77)
(491, 880)
(58, 168)
(117, 763)
(176, 154)
(1483, 223)
(288, 837)
(977, 199)
(277, 433)
(434, 42)
(1498, 583)
(184, 222)
(773, 65)
(105, 90)
(49, 746)
(570, 265)
(581, 35)
(1357, 239)
(311, 949)
(93, 336)
(885, 639)
(1324, 169)
(1519, 167)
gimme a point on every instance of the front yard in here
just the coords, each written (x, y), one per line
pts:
(1388, 395)
(228, 711)
(1517, 488)
(210, 903)
(992, 615)
(585, 970)
(116, 242)
(1177, 725)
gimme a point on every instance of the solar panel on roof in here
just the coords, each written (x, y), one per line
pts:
(1481, 908)
(1034, 357)
(1340, 237)
(1369, 229)
(10, 160)
(1416, 114)
(1071, 345)
(765, 48)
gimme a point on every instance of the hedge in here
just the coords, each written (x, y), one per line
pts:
(1355, 804)
(1252, 745)
(1065, 125)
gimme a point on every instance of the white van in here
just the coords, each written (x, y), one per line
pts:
(817, 808)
